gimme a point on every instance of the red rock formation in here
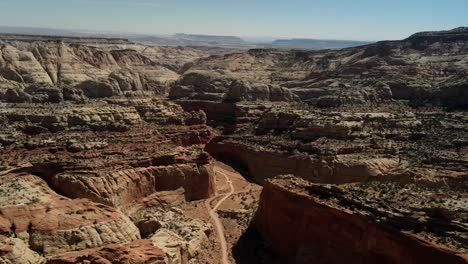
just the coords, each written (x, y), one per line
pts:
(125, 186)
(193, 135)
(301, 226)
(15, 250)
(53, 224)
(137, 252)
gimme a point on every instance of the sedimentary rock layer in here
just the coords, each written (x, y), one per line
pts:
(314, 224)
(137, 252)
(52, 224)
(263, 164)
(126, 186)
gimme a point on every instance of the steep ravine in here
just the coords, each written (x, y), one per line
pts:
(302, 229)
(264, 164)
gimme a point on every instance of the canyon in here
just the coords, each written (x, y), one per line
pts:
(116, 152)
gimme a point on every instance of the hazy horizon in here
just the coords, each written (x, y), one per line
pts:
(361, 20)
(21, 29)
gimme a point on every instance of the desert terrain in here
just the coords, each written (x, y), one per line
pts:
(115, 151)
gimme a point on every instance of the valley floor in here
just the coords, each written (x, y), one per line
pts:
(233, 207)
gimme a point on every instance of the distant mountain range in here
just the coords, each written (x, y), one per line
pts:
(182, 39)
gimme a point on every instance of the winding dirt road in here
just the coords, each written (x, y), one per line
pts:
(214, 216)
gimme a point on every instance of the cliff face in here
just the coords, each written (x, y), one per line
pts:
(264, 164)
(307, 225)
(123, 187)
(339, 147)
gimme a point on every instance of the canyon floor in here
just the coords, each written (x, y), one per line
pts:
(118, 152)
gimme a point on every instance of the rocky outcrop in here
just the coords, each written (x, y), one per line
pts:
(309, 126)
(19, 66)
(221, 86)
(174, 246)
(455, 95)
(318, 221)
(137, 252)
(180, 237)
(216, 112)
(16, 96)
(53, 224)
(122, 187)
(201, 85)
(231, 116)
(103, 117)
(98, 89)
(15, 250)
(244, 91)
(423, 68)
(429, 37)
(96, 71)
(94, 167)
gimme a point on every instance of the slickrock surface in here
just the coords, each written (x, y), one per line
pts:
(181, 237)
(366, 223)
(53, 224)
(137, 252)
(14, 250)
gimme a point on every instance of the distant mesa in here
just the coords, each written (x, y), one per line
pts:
(297, 43)
(210, 38)
(457, 34)
(300, 43)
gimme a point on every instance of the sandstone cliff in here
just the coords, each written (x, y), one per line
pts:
(323, 224)
(122, 187)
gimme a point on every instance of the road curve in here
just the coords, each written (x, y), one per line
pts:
(214, 216)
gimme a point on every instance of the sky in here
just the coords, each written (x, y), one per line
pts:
(324, 19)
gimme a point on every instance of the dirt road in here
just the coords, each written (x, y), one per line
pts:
(214, 216)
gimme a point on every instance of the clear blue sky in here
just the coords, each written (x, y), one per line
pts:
(337, 19)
